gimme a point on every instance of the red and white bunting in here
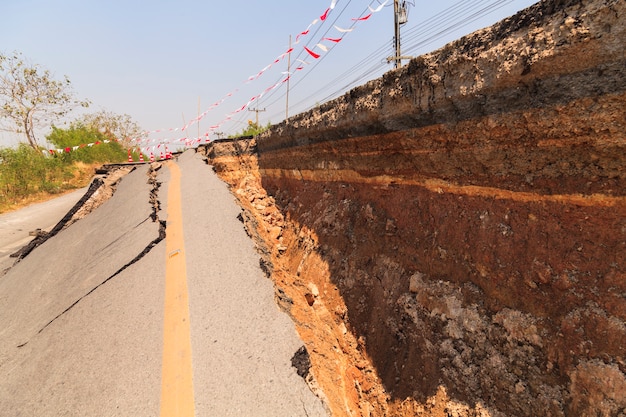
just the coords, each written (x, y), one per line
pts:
(309, 50)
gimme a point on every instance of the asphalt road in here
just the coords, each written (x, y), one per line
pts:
(99, 320)
(16, 226)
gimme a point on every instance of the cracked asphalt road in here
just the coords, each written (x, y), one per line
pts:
(82, 315)
(16, 226)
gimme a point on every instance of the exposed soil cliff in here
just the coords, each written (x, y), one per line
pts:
(451, 238)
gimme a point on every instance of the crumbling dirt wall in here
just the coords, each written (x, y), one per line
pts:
(451, 238)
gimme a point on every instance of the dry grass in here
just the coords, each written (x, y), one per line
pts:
(82, 174)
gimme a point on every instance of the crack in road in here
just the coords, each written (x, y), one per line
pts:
(154, 201)
(93, 198)
(119, 271)
(40, 239)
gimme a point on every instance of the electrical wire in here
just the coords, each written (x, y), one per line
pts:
(302, 53)
(311, 43)
(320, 60)
(415, 39)
(453, 18)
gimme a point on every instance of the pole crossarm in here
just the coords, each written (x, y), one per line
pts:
(257, 111)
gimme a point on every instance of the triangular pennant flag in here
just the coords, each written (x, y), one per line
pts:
(306, 32)
(362, 18)
(313, 54)
(343, 30)
(378, 9)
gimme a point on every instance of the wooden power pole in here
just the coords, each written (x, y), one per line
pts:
(257, 111)
(399, 18)
(289, 77)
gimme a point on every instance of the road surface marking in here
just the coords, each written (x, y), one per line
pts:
(177, 375)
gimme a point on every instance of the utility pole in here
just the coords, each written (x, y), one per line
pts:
(257, 110)
(198, 117)
(399, 18)
(289, 77)
(396, 27)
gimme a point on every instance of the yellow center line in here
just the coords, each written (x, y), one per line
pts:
(177, 376)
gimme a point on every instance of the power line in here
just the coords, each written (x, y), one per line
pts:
(416, 38)
(318, 61)
(453, 18)
(309, 45)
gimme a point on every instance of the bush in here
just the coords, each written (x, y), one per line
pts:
(82, 136)
(25, 171)
(252, 130)
(26, 174)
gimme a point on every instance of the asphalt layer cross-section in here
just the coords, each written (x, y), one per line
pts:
(82, 315)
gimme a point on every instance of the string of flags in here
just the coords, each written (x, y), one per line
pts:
(159, 146)
(308, 50)
(73, 148)
(162, 150)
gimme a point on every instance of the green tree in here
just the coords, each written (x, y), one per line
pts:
(86, 144)
(252, 130)
(30, 97)
(114, 126)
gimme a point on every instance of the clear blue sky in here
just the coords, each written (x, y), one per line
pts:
(156, 60)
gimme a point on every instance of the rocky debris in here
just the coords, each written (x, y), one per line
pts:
(37, 233)
(302, 362)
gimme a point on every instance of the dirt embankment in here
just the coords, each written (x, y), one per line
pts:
(451, 238)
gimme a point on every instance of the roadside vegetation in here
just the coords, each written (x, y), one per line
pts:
(252, 129)
(26, 175)
(29, 175)
(31, 99)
